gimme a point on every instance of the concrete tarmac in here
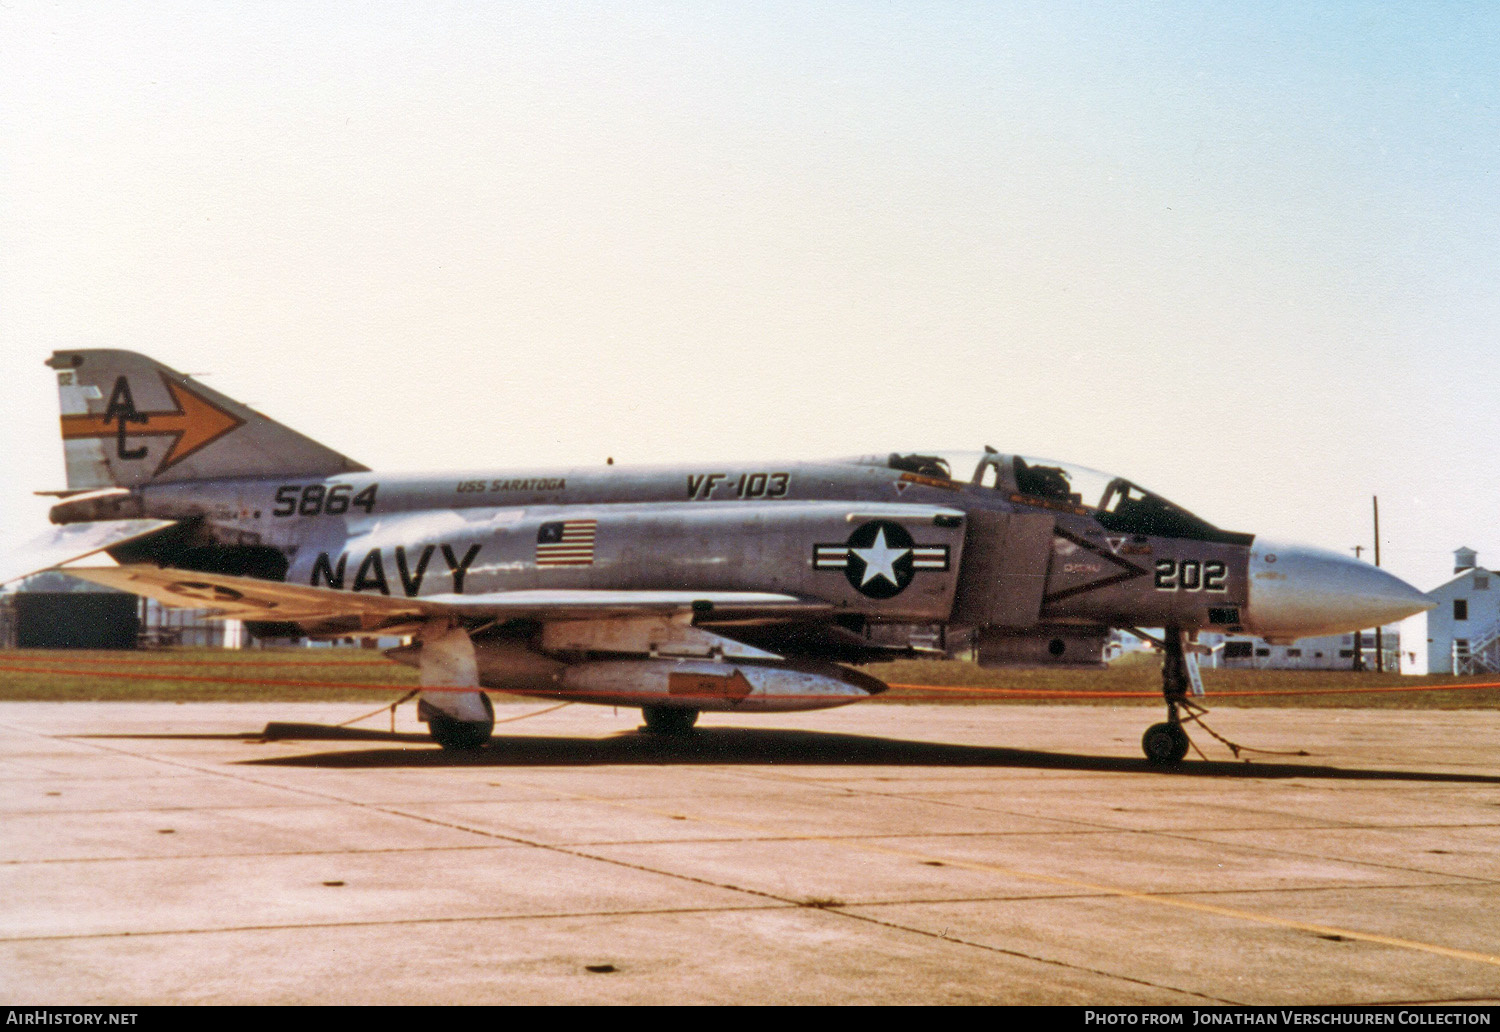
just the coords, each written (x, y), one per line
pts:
(160, 853)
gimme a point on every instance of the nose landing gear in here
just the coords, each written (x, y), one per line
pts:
(1166, 744)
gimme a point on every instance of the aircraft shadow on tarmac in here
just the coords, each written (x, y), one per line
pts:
(751, 746)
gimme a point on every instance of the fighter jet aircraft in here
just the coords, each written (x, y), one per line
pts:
(754, 587)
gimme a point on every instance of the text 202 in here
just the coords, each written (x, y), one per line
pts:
(1191, 575)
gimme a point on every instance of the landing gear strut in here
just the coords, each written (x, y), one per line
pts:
(1166, 744)
(669, 720)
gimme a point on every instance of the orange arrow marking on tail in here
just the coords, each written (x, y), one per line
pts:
(194, 424)
(709, 686)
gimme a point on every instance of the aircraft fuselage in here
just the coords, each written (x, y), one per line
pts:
(938, 550)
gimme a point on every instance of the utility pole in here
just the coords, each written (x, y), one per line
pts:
(1379, 644)
(1357, 662)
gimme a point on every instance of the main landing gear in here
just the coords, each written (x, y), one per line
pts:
(669, 721)
(1167, 743)
(456, 735)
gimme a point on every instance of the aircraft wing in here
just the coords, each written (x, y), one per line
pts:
(73, 541)
(245, 598)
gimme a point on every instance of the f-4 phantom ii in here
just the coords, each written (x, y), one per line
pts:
(742, 588)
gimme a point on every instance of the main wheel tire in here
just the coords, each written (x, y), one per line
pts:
(1165, 744)
(461, 735)
(669, 720)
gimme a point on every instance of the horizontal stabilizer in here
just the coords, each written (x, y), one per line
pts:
(73, 541)
(246, 598)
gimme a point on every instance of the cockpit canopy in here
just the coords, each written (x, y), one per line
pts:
(1118, 504)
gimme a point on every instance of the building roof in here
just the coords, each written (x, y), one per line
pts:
(1460, 575)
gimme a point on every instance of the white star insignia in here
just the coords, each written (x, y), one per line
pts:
(880, 559)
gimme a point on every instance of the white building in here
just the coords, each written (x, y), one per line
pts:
(163, 626)
(1333, 652)
(1461, 634)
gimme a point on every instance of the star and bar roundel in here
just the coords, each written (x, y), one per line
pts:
(880, 558)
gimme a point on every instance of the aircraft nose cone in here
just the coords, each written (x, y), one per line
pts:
(1297, 592)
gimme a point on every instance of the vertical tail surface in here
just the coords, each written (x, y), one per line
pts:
(128, 420)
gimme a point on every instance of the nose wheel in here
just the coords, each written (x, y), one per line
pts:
(1165, 744)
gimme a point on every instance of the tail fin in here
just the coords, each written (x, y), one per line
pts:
(129, 420)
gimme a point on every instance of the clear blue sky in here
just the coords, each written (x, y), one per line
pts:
(1243, 253)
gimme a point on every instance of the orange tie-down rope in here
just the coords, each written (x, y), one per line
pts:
(170, 661)
(189, 679)
(996, 693)
(1048, 693)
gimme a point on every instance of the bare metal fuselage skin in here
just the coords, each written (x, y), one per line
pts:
(1037, 580)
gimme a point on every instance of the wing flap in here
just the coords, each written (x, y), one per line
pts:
(73, 541)
(245, 598)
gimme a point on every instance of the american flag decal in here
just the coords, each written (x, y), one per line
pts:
(566, 543)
